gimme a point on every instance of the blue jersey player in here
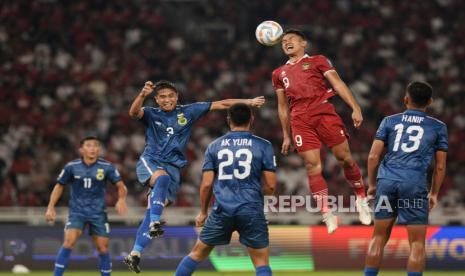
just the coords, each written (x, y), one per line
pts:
(235, 165)
(87, 178)
(167, 130)
(411, 140)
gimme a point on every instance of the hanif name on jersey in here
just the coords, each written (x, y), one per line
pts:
(412, 119)
(236, 142)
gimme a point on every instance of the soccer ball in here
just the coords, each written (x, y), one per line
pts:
(268, 33)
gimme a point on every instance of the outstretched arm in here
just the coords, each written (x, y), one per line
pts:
(51, 214)
(373, 163)
(284, 118)
(206, 186)
(438, 176)
(136, 111)
(120, 205)
(347, 96)
(225, 104)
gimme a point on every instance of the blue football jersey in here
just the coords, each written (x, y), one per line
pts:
(238, 159)
(167, 133)
(411, 139)
(87, 196)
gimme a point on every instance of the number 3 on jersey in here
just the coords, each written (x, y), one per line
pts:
(245, 164)
(416, 138)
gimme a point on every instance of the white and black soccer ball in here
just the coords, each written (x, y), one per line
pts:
(268, 33)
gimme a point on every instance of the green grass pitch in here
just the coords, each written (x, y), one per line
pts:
(319, 273)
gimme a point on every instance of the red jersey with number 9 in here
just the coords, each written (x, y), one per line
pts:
(304, 83)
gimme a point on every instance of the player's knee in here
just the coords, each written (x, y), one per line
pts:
(69, 243)
(417, 249)
(345, 160)
(198, 255)
(102, 249)
(313, 167)
(155, 175)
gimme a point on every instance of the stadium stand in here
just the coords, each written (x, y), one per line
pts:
(71, 68)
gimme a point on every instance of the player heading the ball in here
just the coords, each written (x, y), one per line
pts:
(304, 107)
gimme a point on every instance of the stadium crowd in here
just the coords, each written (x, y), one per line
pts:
(71, 68)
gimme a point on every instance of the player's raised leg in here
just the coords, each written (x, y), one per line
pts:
(189, 263)
(416, 259)
(151, 226)
(318, 186)
(159, 183)
(61, 263)
(381, 234)
(104, 260)
(354, 178)
(260, 259)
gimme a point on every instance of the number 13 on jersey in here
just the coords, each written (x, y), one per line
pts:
(415, 134)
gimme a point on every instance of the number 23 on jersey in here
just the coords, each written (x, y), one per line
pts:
(241, 170)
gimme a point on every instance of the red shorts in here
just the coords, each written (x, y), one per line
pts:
(321, 125)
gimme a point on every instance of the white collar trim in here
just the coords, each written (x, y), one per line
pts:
(304, 56)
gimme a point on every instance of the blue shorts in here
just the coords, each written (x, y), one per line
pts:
(98, 226)
(147, 166)
(252, 228)
(406, 200)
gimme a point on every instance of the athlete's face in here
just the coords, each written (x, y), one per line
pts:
(293, 44)
(167, 99)
(90, 149)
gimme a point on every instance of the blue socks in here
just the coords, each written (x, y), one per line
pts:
(104, 264)
(370, 271)
(61, 262)
(158, 197)
(186, 267)
(142, 237)
(263, 270)
(414, 273)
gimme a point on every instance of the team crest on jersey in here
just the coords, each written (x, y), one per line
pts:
(306, 65)
(283, 74)
(182, 121)
(100, 174)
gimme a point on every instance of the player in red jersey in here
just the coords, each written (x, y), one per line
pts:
(303, 86)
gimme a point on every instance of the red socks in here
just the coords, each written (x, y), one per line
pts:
(354, 177)
(319, 190)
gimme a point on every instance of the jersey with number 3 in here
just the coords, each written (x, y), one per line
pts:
(167, 133)
(87, 193)
(304, 83)
(411, 138)
(238, 159)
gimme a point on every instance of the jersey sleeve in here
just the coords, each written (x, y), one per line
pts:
(146, 117)
(65, 175)
(269, 159)
(381, 133)
(324, 64)
(197, 110)
(209, 162)
(277, 83)
(442, 143)
(113, 175)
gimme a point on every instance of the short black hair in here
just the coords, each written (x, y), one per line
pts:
(240, 114)
(88, 138)
(159, 85)
(296, 32)
(420, 93)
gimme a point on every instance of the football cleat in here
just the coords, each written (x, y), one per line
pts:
(331, 222)
(363, 210)
(155, 230)
(133, 263)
